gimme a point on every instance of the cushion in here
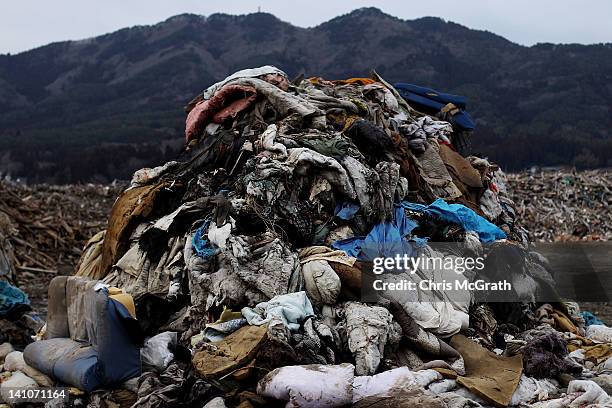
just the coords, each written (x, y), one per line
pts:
(57, 311)
(109, 357)
(80, 368)
(43, 355)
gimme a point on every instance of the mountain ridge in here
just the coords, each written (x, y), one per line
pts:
(98, 108)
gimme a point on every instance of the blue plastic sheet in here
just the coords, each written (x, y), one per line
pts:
(202, 247)
(346, 210)
(459, 214)
(11, 297)
(384, 240)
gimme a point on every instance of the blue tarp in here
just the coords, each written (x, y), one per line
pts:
(459, 214)
(385, 239)
(11, 297)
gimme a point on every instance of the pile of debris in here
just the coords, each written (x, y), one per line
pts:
(48, 225)
(558, 205)
(236, 275)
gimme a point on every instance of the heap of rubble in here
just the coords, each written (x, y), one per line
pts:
(245, 263)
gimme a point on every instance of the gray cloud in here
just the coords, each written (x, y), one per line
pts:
(26, 24)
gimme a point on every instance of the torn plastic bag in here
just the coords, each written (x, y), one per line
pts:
(156, 352)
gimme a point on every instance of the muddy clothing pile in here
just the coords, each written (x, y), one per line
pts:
(236, 271)
(564, 205)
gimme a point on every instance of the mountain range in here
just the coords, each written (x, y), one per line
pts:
(97, 109)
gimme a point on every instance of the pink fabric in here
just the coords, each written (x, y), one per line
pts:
(233, 109)
(196, 117)
(228, 102)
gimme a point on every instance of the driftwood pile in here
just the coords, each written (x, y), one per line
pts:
(48, 225)
(564, 205)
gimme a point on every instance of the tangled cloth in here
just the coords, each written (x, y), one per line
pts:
(545, 357)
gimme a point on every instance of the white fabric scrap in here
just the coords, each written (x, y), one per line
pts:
(310, 386)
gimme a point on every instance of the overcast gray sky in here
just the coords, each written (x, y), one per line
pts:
(25, 24)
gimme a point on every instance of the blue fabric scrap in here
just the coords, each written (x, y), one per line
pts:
(203, 248)
(11, 297)
(590, 319)
(346, 210)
